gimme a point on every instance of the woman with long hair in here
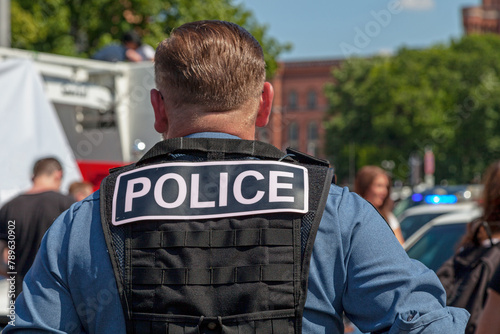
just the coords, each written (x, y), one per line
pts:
(467, 274)
(479, 235)
(373, 184)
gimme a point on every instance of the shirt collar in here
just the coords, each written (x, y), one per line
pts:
(212, 135)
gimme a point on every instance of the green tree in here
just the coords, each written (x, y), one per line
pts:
(81, 27)
(446, 98)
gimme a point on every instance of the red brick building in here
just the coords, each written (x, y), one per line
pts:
(482, 19)
(300, 106)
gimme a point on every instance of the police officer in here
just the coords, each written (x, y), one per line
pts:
(213, 232)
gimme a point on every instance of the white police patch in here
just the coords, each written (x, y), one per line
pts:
(214, 189)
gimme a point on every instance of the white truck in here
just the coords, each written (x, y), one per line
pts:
(103, 107)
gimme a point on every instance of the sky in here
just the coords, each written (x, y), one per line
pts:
(325, 29)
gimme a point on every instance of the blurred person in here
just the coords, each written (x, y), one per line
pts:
(373, 184)
(489, 322)
(214, 232)
(81, 190)
(131, 49)
(135, 50)
(479, 235)
(466, 275)
(30, 214)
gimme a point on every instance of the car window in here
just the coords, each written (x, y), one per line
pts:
(411, 224)
(437, 245)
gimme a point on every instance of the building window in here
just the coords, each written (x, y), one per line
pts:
(293, 100)
(311, 100)
(312, 138)
(293, 135)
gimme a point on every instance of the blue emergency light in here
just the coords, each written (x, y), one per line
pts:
(417, 197)
(440, 199)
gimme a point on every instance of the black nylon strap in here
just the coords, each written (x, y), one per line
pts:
(221, 146)
(231, 319)
(214, 238)
(158, 327)
(213, 276)
(263, 327)
(306, 158)
(271, 326)
(175, 329)
(269, 322)
(216, 155)
(328, 178)
(280, 324)
(107, 184)
(142, 326)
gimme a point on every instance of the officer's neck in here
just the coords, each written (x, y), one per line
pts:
(242, 132)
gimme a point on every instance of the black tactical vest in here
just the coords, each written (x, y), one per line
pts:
(214, 236)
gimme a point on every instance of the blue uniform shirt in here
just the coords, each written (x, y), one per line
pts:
(357, 267)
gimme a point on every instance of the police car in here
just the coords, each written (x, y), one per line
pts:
(439, 195)
(436, 241)
(416, 217)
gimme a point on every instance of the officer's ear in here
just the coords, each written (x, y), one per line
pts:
(161, 121)
(265, 105)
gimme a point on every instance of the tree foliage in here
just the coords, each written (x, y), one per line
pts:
(446, 98)
(81, 27)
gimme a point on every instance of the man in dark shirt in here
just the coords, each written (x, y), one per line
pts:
(25, 219)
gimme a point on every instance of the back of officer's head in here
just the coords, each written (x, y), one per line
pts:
(214, 64)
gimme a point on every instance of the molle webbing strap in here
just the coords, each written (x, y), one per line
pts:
(273, 322)
(214, 238)
(215, 281)
(213, 276)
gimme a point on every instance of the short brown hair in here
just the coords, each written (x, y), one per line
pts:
(83, 186)
(214, 64)
(46, 166)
